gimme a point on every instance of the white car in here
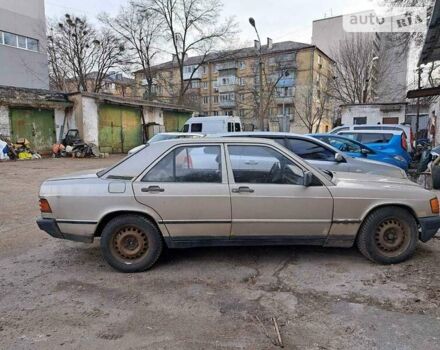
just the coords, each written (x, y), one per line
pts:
(166, 136)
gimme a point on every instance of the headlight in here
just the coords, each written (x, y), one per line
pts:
(399, 158)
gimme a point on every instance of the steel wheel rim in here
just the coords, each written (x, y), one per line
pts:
(129, 244)
(392, 237)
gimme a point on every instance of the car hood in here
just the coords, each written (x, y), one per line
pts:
(86, 174)
(348, 179)
(376, 168)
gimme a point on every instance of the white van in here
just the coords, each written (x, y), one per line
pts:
(213, 125)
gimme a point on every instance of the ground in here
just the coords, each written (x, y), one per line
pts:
(59, 294)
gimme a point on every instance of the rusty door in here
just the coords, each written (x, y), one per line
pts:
(120, 128)
(36, 125)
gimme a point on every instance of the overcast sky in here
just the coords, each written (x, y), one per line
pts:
(279, 19)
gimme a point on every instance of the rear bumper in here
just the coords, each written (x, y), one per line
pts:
(51, 227)
(429, 225)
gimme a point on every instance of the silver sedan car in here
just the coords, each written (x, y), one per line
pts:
(322, 155)
(229, 192)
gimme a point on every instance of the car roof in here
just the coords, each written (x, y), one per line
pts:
(394, 132)
(254, 134)
(205, 140)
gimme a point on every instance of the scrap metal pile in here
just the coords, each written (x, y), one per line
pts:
(20, 150)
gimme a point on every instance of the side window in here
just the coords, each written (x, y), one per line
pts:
(197, 127)
(237, 127)
(230, 127)
(310, 150)
(186, 128)
(263, 165)
(372, 138)
(188, 164)
(345, 145)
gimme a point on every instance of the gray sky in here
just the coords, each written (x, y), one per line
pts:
(279, 19)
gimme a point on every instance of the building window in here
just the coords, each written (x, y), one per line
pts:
(227, 97)
(242, 65)
(205, 84)
(242, 81)
(241, 97)
(359, 120)
(215, 113)
(216, 99)
(242, 112)
(205, 100)
(18, 41)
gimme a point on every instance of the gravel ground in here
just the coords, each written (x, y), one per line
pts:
(59, 294)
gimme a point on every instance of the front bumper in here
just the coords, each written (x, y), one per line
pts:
(429, 225)
(51, 227)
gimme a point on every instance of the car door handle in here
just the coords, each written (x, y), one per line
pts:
(243, 189)
(153, 189)
(251, 162)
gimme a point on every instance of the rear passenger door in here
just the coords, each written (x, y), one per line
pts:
(188, 188)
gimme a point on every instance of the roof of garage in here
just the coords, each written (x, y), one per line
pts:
(126, 101)
(22, 97)
(431, 48)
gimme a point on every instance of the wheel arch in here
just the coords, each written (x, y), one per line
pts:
(111, 215)
(387, 205)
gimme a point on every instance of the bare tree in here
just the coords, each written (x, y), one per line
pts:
(355, 62)
(141, 31)
(192, 27)
(312, 108)
(76, 50)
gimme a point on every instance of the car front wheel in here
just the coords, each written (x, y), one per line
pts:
(388, 235)
(131, 243)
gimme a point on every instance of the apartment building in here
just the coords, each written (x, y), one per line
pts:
(387, 75)
(228, 83)
(23, 56)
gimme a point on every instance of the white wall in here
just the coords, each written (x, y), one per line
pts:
(153, 115)
(90, 120)
(5, 128)
(372, 112)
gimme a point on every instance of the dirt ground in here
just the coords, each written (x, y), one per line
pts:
(56, 294)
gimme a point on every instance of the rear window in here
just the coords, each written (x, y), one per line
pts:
(310, 150)
(197, 127)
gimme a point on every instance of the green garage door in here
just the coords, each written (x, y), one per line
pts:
(174, 121)
(36, 125)
(120, 128)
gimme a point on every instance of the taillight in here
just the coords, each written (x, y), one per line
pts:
(404, 144)
(44, 206)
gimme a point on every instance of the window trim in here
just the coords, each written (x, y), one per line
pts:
(16, 46)
(324, 145)
(224, 173)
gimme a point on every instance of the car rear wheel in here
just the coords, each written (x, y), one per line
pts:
(131, 243)
(388, 235)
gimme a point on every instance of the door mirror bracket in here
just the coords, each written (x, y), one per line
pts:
(339, 158)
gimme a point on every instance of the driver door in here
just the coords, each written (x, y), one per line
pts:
(269, 200)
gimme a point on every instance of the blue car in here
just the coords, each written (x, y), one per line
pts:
(358, 150)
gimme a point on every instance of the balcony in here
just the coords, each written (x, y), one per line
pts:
(287, 100)
(227, 66)
(188, 71)
(227, 104)
(228, 88)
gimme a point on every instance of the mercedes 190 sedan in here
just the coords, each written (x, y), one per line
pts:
(229, 192)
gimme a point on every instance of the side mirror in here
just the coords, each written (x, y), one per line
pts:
(364, 151)
(339, 157)
(308, 178)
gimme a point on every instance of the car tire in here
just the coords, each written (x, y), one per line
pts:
(388, 235)
(131, 243)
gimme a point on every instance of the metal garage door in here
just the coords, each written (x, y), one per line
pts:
(120, 128)
(174, 121)
(36, 125)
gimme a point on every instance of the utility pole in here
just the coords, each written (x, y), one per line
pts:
(260, 68)
(419, 82)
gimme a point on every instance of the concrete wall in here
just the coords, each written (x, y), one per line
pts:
(372, 112)
(90, 119)
(5, 127)
(153, 115)
(19, 67)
